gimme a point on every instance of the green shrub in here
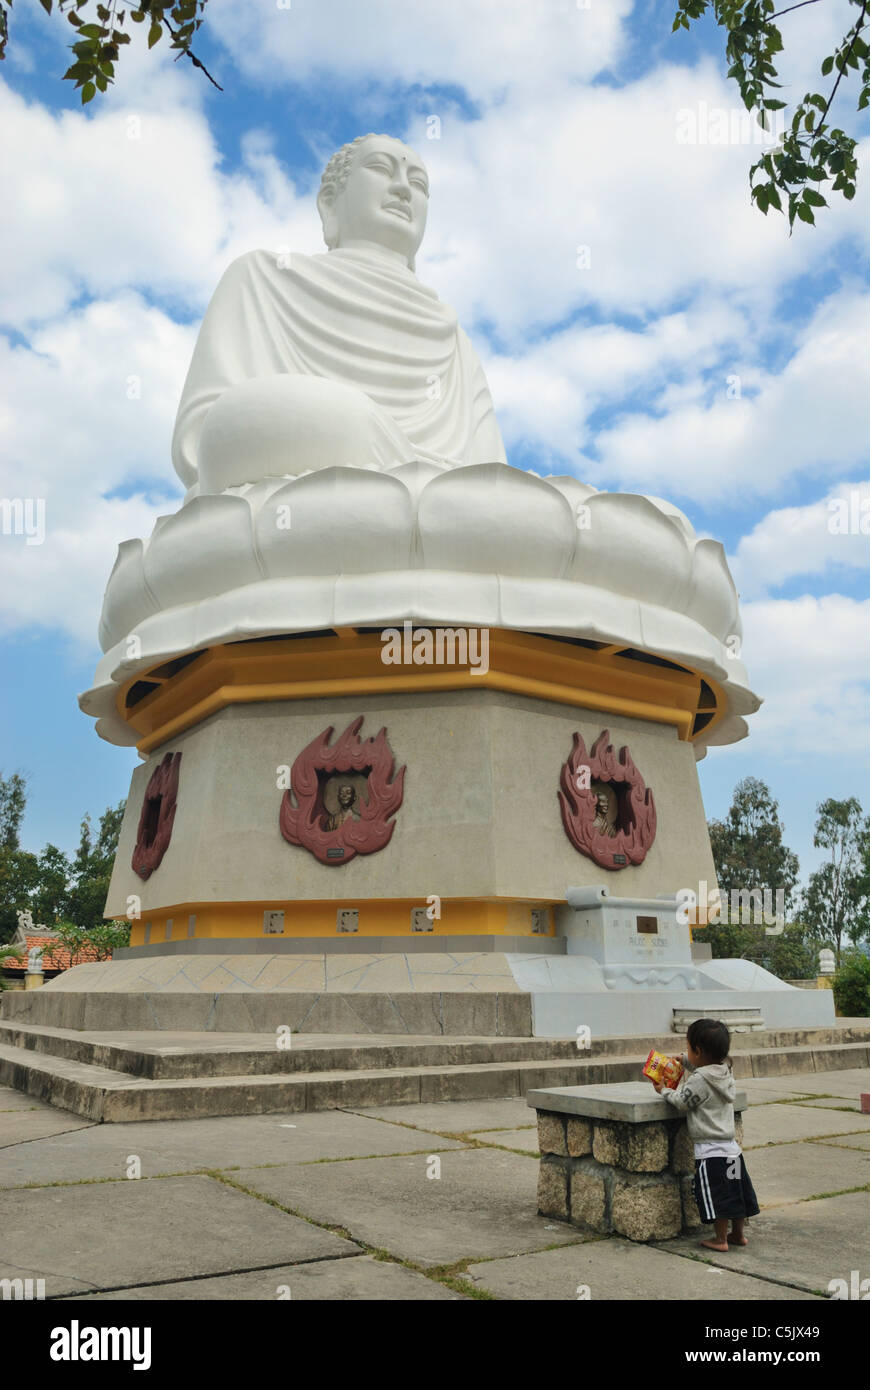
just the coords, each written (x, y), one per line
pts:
(787, 954)
(7, 954)
(852, 985)
(790, 956)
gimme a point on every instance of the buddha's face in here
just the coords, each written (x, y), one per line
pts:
(346, 797)
(384, 200)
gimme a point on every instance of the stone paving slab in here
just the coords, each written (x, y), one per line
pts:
(618, 1269)
(772, 1124)
(362, 1277)
(458, 1116)
(105, 1235)
(823, 1083)
(21, 1126)
(762, 1092)
(197, 1238)
(794, 1172)
(525, 1139)
(17, 1100)
(845, 1103)
(483, 1204)
(805, 1244)
(848, 1141)
(176, 1146)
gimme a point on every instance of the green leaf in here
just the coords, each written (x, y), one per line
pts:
(849, 192)
(88, 91)
(805, 214)
(46, 5)
(814, 199)
(827, 66)
(154, 34)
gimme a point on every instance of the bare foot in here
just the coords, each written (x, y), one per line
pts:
(737, 1240)
(715, 1245)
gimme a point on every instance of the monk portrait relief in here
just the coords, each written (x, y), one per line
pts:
(308, 362)
(606, 809)
(345, 809)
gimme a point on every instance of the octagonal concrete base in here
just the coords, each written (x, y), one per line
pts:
(479, 829)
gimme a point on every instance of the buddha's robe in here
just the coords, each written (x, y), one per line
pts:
(399, 378)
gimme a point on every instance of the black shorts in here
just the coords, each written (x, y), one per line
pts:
(723, 1189)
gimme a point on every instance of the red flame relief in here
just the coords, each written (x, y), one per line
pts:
(307, 823)
(635, 823)
(158, 815)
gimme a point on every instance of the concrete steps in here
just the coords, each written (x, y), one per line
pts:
(117, 1077)
(187, 1055)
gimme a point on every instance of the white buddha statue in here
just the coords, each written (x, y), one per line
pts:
(344, 358)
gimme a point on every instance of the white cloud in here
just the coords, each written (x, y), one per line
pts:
(90, 401)
(59, 585)
(804, 420)
(547, 394)
(516, 193)
(481, 45)
(544, 170)
(808, 658)
(131, 196)
(832, 531)
(88, 405)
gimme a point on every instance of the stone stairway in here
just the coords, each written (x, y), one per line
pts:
(126, 1076)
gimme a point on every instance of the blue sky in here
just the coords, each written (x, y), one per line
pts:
(558, 129)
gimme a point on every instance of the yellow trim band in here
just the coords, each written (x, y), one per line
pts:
(377, 917)
(612, 680)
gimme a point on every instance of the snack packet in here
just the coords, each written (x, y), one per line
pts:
(666, 1070)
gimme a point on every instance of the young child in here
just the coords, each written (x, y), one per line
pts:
(705, 1095)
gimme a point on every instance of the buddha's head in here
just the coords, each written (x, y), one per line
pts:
(346, 796)
(375, 192)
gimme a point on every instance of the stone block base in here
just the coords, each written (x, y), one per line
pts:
(615, 1178)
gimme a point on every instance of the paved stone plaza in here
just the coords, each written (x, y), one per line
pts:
(344, 1204)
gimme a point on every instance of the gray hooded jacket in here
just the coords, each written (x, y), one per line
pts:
(706, 1098)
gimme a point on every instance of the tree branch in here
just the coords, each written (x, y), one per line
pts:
(842, 66)
(193, 58)
(780, 13)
